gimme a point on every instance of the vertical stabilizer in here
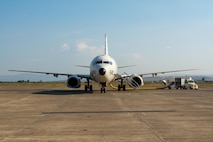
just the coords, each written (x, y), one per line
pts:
(106, 45)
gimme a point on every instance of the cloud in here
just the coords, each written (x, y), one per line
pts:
(82, 46)
(85, 48)
(136, 56)
(65, 47)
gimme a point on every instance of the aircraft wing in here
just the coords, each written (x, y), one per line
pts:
(163, 72)
(126, 66)
(125, 75)
(54, 74)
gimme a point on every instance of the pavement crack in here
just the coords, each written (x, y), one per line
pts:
(138, 118)
(141, 120)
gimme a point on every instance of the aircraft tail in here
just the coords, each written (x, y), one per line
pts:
(106, 45)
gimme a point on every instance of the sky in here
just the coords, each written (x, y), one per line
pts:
(57, 35)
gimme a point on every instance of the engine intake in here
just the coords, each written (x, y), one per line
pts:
(135, 81)
(73, 82)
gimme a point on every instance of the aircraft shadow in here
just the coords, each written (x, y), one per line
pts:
(110, 112)
(63, 92)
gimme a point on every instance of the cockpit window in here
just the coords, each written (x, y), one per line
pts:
(103, 62)
(108, 62)
(99, 62)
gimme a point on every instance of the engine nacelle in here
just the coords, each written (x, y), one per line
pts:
(135, 81)
(73, 82)
(165, 82)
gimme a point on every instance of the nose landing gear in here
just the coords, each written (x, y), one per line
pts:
(103, 85)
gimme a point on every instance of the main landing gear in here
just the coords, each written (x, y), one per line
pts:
(88, 87)
(121, 86)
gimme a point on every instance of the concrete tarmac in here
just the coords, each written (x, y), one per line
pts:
(45, 113)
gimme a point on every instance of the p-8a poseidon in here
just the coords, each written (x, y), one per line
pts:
(103, 70)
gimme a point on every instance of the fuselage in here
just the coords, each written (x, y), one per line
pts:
(103, 69)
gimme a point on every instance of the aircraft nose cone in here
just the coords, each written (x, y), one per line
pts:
(102, 71)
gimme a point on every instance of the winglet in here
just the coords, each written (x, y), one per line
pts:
(106, 45)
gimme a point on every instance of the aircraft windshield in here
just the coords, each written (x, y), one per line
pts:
(104, 62)
(99, 62)
(107, 62)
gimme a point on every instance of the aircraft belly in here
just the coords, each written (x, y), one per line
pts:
(101, 78)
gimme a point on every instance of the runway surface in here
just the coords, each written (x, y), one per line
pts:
(45, 113)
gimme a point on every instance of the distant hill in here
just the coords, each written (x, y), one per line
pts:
(197, 78)
(31, 78)
(48, 78)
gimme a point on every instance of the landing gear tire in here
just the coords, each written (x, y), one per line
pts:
(103, 85)
(122, 86)
(88, 88)
(103, 90)
(119, 87)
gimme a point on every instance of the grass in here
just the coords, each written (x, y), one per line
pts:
(202, 84)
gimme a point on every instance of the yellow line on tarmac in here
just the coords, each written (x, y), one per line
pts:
(130, 89)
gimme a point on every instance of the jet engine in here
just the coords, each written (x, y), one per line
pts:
(73, 82)
(135, 81)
